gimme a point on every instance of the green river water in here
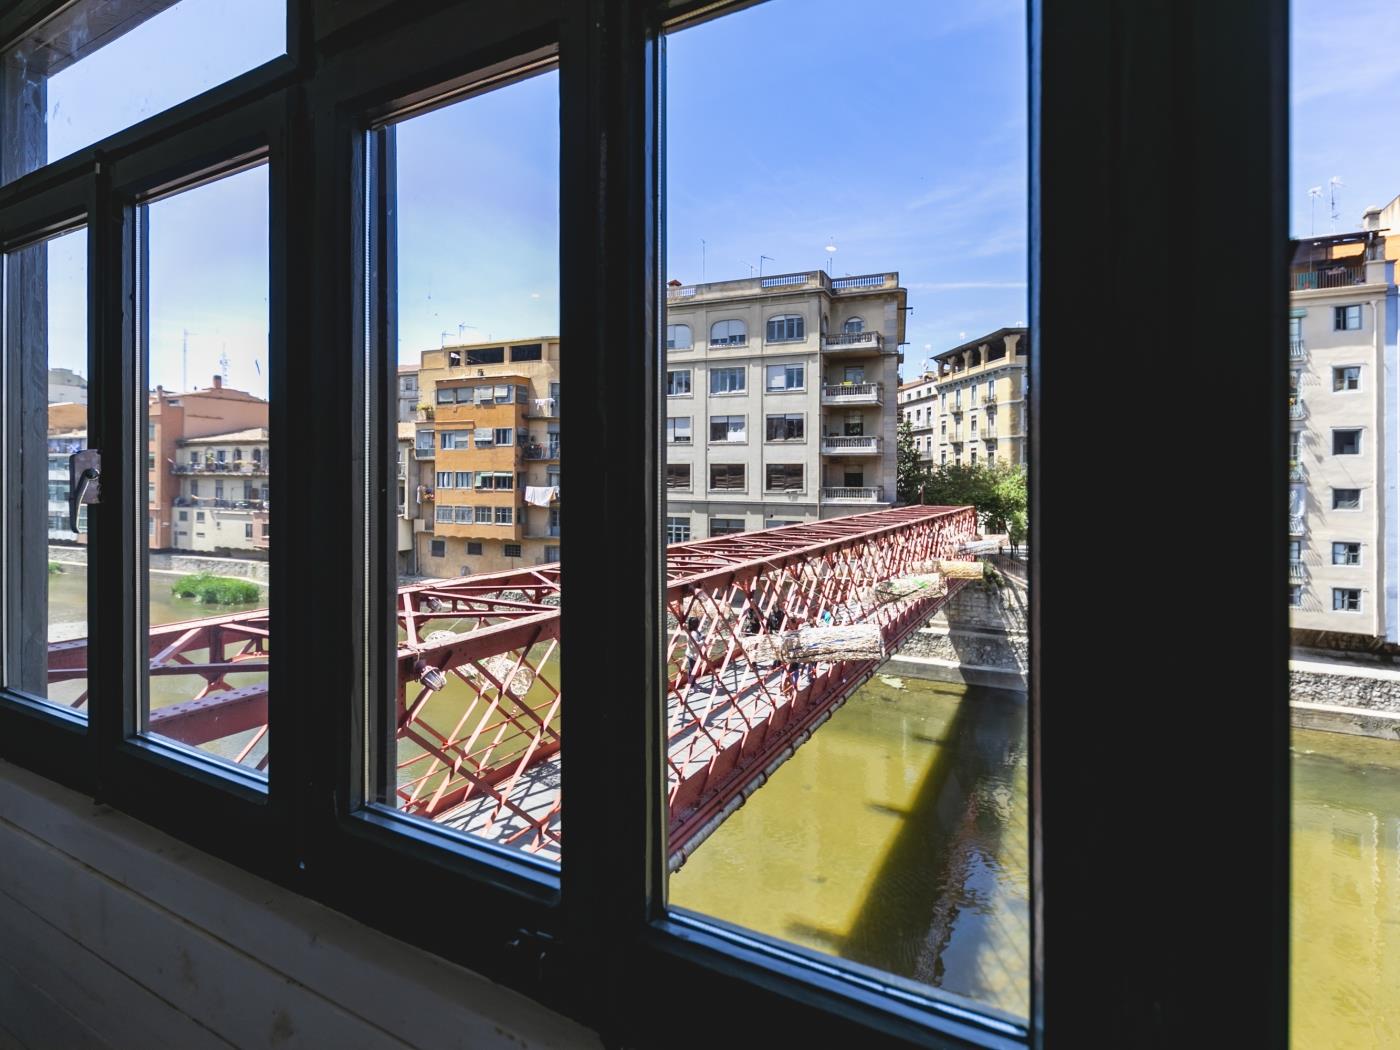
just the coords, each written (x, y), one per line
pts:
(896, 838)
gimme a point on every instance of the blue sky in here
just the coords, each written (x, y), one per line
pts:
(898, 135)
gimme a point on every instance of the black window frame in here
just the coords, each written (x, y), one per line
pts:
(1341, 315)
(1199, 103)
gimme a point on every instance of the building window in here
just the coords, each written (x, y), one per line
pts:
(1348, 378)
(484, 516)
(248, 531)
(1346, 599)
(726, 380)
(786, 328)
(1346, 318)
(1295, 595)
(444, 515)
(438, 548)
(783, 477)
(457, 438)
(463, 515)
(677, 530)
(184, 515)
(444, 479)
(1346, 554)
(726, 526)
(551, 554)
(504, 436)
(1294, 437)
(788, 427)
(1346, 442)
(727, 477)
(1346, 499)
(729, 333)
(732, 429)
(474, 547)
(505, 515)
(527, 352)
(786, 377)
(678, 430)
(678, 337)
(678, 383)
(463, 479)
(511, 550)
(678, 475)
(853, 326)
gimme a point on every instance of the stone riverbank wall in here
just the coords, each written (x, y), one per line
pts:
(239, 568)
(978, 638)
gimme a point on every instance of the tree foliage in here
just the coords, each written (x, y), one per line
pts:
(998, 492)
(909, 469)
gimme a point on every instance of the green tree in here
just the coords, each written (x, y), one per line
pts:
(998, 493)
(910, 474)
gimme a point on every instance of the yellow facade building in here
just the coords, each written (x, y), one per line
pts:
(981, 400)
(487, 448)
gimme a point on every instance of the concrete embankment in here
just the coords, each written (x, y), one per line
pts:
(162, 561)
(978, 638)
(1344, 696)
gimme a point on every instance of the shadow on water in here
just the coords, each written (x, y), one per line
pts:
(948, 859)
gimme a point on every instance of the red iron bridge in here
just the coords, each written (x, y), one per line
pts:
(479, 700)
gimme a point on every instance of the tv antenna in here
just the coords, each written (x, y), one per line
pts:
(1333, 183)
(223, 363)
(1314, 192)
(760, 264)
(185, 360)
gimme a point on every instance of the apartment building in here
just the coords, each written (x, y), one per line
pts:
(410, 493)
(918, 403)
(487, 448)
(981, 388)
(223, 501)
(66, 386)
(775, 400)
(67, 433)
(171, 420)
(1343, 517)
(408, 393)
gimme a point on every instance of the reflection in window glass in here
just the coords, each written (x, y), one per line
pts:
(208, 508)
(472, 740)
(883, 823)
(1344, 216)
(103, 65)
(46, 421)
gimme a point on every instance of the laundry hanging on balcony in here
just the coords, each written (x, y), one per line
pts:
(541, 495)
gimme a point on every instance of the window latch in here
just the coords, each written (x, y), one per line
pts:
(84, 473)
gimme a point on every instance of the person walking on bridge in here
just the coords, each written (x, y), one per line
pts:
(694, 648)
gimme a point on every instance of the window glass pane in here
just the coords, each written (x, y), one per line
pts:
(470, 737)
(883, 824)
(1342, 346)
(102, 65)
(206, 365)
(45, 422)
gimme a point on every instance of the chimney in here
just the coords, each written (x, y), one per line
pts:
(1371, 218)
(218, 382)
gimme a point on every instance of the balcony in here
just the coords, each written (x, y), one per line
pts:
(850, 446)
(227, 467)
(853, 394)
(1296, 472)
(957, 410)
(536, 532)
(991, 397)
(1296, 409)
(542, 452)
(1296, 350)
(1296, 572)
(1338, 275)
(207, 503)
(543, 408)
(854, 343)
(1295, 526)
(854, 494)
(990, 434)
(424, 453)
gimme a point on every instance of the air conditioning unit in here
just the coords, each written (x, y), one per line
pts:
(420, 524)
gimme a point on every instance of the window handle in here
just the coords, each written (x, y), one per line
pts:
(84, 472)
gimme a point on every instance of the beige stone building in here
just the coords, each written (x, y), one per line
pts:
(487, 449)
(776, 406)
(223, 500)
(172, 418)
(918, 403)
(1343, 525)
(982, 402)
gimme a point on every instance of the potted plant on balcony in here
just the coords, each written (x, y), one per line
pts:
(425, 411)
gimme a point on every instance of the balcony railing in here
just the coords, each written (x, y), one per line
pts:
(208, 503)
(1295, 525)
(843, 445)
(845, 342)
(1296, 472)
(424, 453)
(1296, 350)
(731, 340)
(854, 494)
(543, 408)
(853, 393)
(541, 452)
(1297, 410)
(991, 397)
(1341, 275)
(227, 467)
(1295, 571)
(535, 532)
